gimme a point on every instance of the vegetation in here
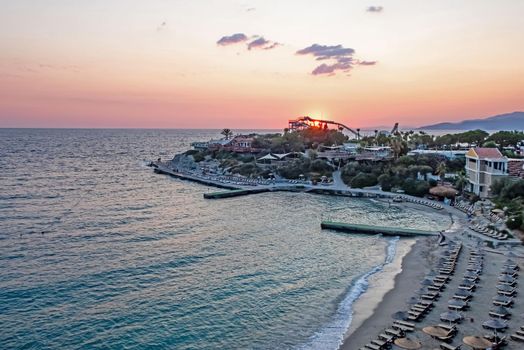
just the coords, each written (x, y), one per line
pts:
(401, 174)
(509, 196)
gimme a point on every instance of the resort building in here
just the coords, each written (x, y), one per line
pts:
(241, 144)
(483, 167)
(445, 153)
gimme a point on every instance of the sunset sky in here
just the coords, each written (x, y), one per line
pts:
(256, 64)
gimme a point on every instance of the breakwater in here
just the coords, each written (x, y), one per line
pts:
(372, 229)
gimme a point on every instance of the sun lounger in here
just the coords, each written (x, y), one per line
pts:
(500, 303)
(404, 323)
(373, 346)
(387, 338)
(517, 337)
(403, 328)
(445, 346)
(394, 332)
(448, 327)
(494, 314)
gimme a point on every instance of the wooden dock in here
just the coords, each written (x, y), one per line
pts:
(372, 230)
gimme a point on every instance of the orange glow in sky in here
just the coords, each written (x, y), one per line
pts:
(173, 64)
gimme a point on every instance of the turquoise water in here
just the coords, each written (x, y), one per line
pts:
(130, 259)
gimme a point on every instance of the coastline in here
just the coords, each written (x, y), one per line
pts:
(385, 296)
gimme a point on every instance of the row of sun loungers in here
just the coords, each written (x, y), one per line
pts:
(489, 232)
(424, 202)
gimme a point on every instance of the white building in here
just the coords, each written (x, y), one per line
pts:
(483, 167)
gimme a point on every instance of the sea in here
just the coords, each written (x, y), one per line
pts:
(98, 252)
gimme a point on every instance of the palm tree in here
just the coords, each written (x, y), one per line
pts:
(461, 181)
(227, 133)
(397, 146)
(441, 171)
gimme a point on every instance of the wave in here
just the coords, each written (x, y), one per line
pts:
(331, 336)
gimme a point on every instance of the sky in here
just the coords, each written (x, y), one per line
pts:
(256, 64)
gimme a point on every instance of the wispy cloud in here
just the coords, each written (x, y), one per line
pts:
(342, 58)
(232, 39)
(253, 42)
(374, 9)
(262, 43)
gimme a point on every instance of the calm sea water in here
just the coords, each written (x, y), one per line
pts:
(130, 259)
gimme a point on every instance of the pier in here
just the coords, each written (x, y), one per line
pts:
(234, 193)
(373, 230)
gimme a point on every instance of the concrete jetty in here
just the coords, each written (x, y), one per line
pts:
(234, 193)
(371, 229)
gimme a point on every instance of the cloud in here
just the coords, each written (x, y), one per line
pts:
(250, 9)
(342, 58)
(232, 39)
(262, 43)
(253, 42)
(367, 63)
(374, 9)
(324, 52)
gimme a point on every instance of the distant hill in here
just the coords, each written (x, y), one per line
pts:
(509, 121)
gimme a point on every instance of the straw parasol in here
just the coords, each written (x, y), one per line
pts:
(435, 331)
(408, 343)
(443, 191)
(467, 283)
(477, 342)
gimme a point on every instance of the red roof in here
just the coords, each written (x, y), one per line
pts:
(485, 152)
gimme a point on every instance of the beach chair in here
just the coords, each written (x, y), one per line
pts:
(402, 328)
(395, 332)
(409, 324)
(517, 337)
(445, 346)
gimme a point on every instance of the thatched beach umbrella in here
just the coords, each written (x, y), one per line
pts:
(507, 271)
(443, 191)
(477, 342)
(435, 331)
(467, 283)
(408, 343)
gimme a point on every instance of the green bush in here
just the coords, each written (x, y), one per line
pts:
(415, 187)
(363, 180)
(386, 182)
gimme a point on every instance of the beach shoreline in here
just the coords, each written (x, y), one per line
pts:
(372, 312)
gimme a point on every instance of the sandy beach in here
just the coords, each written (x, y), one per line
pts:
(372, 313)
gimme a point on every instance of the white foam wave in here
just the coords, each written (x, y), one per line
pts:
(331, 336)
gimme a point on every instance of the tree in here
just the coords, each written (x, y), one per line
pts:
(506, 138)
(490, 144)
(227, 133)
(386, 182)
(363, 180)
(460, 181)
(441, 171)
